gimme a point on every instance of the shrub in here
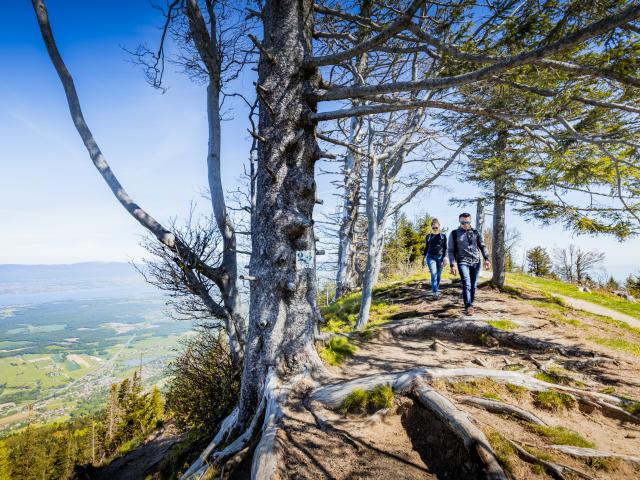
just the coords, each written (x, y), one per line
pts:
(204, 385)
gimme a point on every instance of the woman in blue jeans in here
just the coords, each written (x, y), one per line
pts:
(435, 255)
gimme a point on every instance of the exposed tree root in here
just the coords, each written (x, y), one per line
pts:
(556, 470)
(459, 424)
(225, 427)
(474, 331)
(266, 456)
(501, 407)
(583, 452)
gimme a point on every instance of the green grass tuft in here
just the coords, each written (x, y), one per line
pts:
(503, 450)
(516, 390)
(381, 397)
(483, 387)
(633, 408)
(619, 344)
(337, 350)
(507, 325)
(356, 402)
(361, 401)
(561, 436)
(551, 400)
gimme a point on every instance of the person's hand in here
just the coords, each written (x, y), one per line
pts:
(453, 270)
(487, 264)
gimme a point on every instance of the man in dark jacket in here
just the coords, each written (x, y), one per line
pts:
(466, 248)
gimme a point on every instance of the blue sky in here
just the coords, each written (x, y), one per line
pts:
(54, 206)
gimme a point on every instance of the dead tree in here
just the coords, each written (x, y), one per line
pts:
(186, 260)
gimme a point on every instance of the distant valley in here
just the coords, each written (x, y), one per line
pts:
(67, 332)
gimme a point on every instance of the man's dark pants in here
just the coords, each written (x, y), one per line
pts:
(469, 277)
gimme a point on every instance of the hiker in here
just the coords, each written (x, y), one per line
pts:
(465, 247)
(435, 254)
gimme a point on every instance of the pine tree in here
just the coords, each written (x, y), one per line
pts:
(538, 262)
(633, 285)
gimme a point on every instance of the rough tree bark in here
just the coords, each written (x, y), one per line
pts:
(283, 295)
(498, 231)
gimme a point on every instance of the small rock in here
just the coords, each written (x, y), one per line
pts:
(630, 297)
(436, 347)
(479, 361)
(490, 341)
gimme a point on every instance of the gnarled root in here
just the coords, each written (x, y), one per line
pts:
(198, 467)
(501, 407)
(473, 330)
(459, 424)
(556, 470)
(583, 452)
(333, 394)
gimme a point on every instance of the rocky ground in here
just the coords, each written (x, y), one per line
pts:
(577, 437)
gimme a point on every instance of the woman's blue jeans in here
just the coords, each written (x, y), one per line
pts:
(435, 269)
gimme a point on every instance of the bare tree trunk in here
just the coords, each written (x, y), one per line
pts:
(230, 293)
(498, 241)
(372, 241)
(346, 276)
(480, 216)
(283, 295)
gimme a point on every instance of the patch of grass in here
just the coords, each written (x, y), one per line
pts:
(633, 408)
(337, 350)
(511, 290)
(356, 402)
(557, 287)
(503, 324)
(615, 323)
(564, 319)
(620, 344)
(381, 397)
(603, 464)
(361, 401)
(539, 454)
(341, 315)
(547, 377)
(483, 387)
(561, 436)
(553, 401)
(516, 390)
(503, 450)
(513, 367)
(608, 390)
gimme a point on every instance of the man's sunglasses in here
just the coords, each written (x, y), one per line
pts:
(464, 222)
(434, 227)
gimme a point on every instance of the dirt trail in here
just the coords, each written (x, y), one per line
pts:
(402, 443)
(590, 307)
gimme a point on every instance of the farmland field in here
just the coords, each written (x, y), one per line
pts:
(63, 342)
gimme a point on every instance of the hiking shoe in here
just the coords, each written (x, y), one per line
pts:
(435, 295)
(471, 311)
(466, 311)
